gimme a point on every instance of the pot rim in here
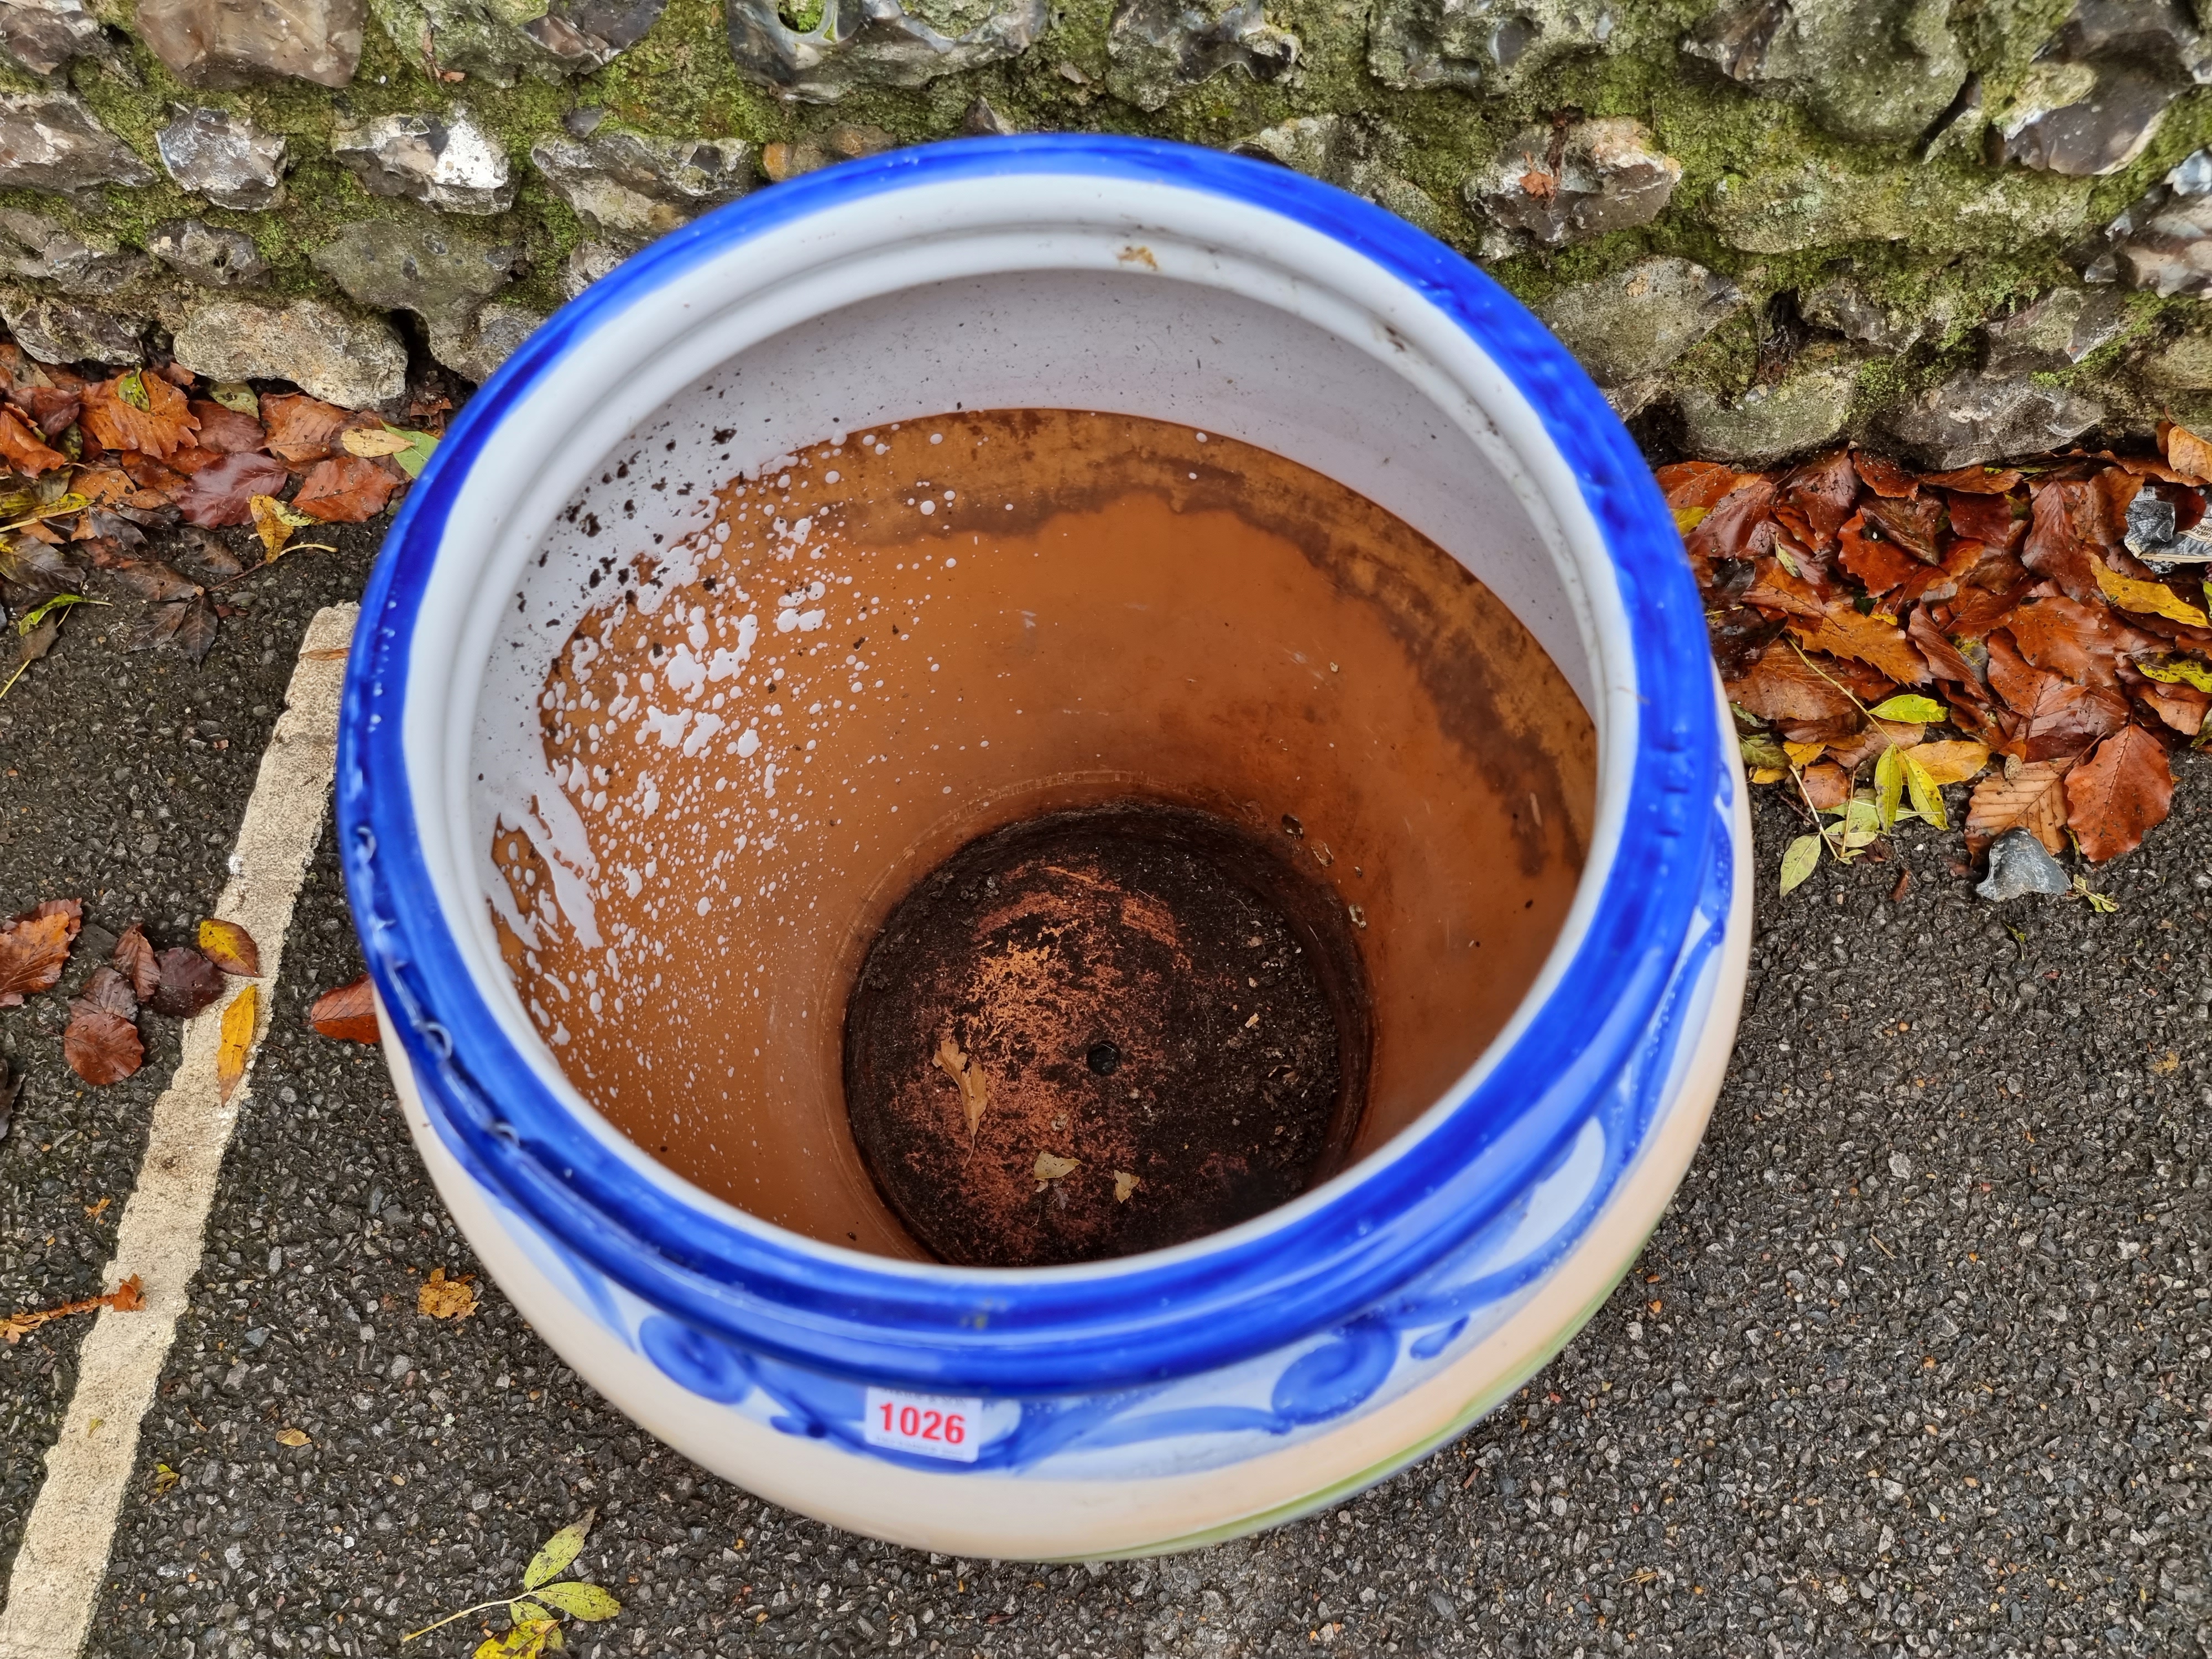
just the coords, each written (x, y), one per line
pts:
(1581, 1038)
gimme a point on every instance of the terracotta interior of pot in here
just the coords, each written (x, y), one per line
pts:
(759, 688)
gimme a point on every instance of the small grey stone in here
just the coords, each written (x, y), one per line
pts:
(58, 332)
(1844, 306)
(1973, 419)
(235, 1378)
(42, 35)
(232, 43)
(1155, 48)
(223, 157)
(1634, 323)
(49, 140)
(625, 184)
(449, 163)
(476, 348)
(887, 43)
(587, 263)
(213, 258)
(1560, 185)
(1799, 412)
(352, 361)
(1506, 45)
(1877, 71)
(32, 245)
(1353, 155)
(417, 264)
(2019, 864)
(983, 120)
(2082, 119)
(2054, 331)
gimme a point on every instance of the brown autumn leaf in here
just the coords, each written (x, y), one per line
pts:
(2181, 707)
(162, 426)
(1698, 486)
(301, 429)
(25, 449)
(1741, 527)
(2033, 799)
(1782, 687)
(188, 982)
(2116, 796)
(1997, 521)
(2058, 717)
(34, 946)
(1816, 497)
(1976, 480)
(1774, 588)
(1913, 524)
(1826, 785)
(974, 1092)
(347, 1013)
(53, 410)
(134, 958)
(1880, 563)
(149, 474)
(235, 1042)
(222, 493)
(226, 431)
(1883, 476)
(100, 1046)
(129, 1296)
(2185, 452)
(1945, 660)
(1952, 761)
(440, 1297)
(110, 992)
(346, 489)
(2084, 642)
(2067, 528)
(1874, 639)
(1857, 751)
(294, 1438)
(231, 948)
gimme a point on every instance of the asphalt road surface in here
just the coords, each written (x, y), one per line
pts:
(1919, 1362)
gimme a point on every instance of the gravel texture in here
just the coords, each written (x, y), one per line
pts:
(123, 778)
(1919, 1362)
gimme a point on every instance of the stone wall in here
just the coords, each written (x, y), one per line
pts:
(1952, 227)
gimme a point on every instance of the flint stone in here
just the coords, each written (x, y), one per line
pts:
(2163, 241)
(2055, 332)
(877, 43)
(1842, 305)
(1822, 201)
(1506, 45)
(2082, 119)
(351, 362)
(1799, 412)
(2020, 865)
(1556, 187)
(983, 120)
(223, 157)
(483, 37)
(42, 35)
(454, 165)
(55, 332)
(436, 273)
(1630, 325)
(1353, 155)
(1155, 48)
(1973, 419)
(200, 253)
(476, 348)
(49, 140)
(1877, 71)
(32, 245)
(622, 183)
(587, 263)
(220, 44)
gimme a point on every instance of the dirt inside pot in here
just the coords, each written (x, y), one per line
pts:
(1019, 633)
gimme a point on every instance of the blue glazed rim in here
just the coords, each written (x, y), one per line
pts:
(1150, 1319)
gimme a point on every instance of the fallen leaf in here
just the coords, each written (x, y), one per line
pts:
(440, 1297)
(149, 474)
(231, 948)
(2087, 643)
(1826, 785)
(53, 410)
(1912, 524)
(587, 1602)
(109, 992)
(134, 957)
(2059, 718)
(344, 490)
(1801, 858)
(2183, 707)
(1909, 705)
(239, 396)
(2147, 598)
(1815, 498)
(1883, 476)
(553, 1558)
(302, 428)
(236, 1042)
(1951, 763)
(33, 947)
(293, 1437)
(1855, 750)
(2063, 535)
(225, 430)
(1996, 521)
(373, 441)
(126, 1297)
(1783, 686)
(2178, 671)
(347, 1013)
(2033, 799)
(224, 494)
(1124, 1185)
(129, 1296)
(1050, 1167)
(412, 460)
(188, 981)
(137, 413)
(164, 1480)
(1880, 563)
(974, 1094)
(1946, 661)
(1927, 798)
(101, 1047)
(275, 522)
(25, 449)
(1975, 480)
(1874, 640)
(2121, 791)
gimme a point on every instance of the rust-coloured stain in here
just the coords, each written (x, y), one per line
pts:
(1102, 1031)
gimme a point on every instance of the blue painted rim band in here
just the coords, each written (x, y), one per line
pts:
(952, 1330)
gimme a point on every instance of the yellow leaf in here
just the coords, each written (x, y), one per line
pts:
(1768, 773)
(236, 394)
(1927, 799)
(2146, 598)
(1050, 1166)
(1888, 784)
(231, 948)
(237, 1040)
(1124, 1184)
(1951, 763)
(276, 522)
(1687, 519)
(2175, 670)
(586, 1602)
(440, 1297)
(1803, 754)
(562, 1548)
(371, 443)
(291, 1438)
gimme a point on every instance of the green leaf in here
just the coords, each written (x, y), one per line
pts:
(2176, 670)
(37, 613)
(1927, 799)
(1862, 823)
(131, 388)
(586, 1602)
(1909, 705)
(1888, 786)
(560, 1550)
(236, 394)
(1803, 858)
(1761, 749)
(416, 456)
(524, 1612)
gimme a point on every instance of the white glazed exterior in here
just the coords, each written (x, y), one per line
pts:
(1089, 292)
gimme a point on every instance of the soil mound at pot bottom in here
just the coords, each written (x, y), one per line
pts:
(1103, 1031)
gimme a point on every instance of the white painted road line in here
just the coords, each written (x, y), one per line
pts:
(64, 1552)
